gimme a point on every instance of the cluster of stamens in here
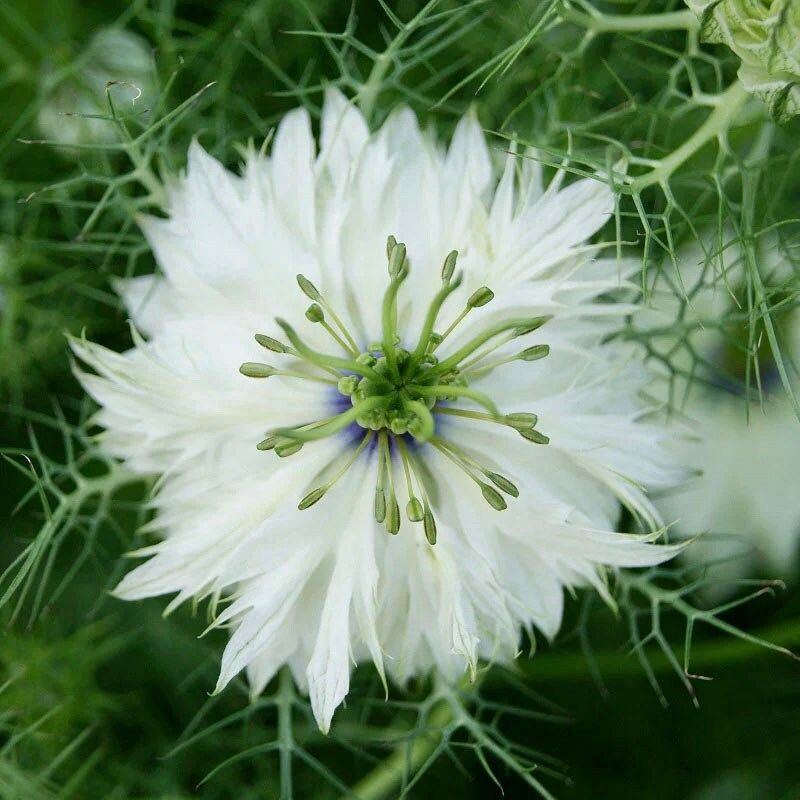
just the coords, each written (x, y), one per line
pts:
(397, 394)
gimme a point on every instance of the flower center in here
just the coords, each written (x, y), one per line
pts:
(397, 394)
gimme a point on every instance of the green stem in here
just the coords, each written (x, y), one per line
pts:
(406, 759)
(631, 23)
(555, 667)
(371, 89)
(285, 700)
(718, 121)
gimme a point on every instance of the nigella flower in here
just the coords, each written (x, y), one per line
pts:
(727, 389)
(426, 441)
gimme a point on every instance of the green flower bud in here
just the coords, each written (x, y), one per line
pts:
(765, 34)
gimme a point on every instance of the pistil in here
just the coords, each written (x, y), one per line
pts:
(397, 396)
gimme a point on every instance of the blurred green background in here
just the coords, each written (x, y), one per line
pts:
(96, 694)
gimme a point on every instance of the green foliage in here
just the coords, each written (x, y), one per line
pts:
(626, 92)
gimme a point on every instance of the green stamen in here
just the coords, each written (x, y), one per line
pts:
(312, 293)
(399, 394)
(315, 495)
(477, 299)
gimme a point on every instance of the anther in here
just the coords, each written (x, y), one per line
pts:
(314, 313)
(534, 353)
(534, 436)
(271, 344)
(449, 266)
(493, 497)
(308, 288)
(252, 369)
(480, 297)
(314, 496)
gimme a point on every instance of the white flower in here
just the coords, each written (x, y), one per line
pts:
(320, 587)
(747, 456)
(76, 110)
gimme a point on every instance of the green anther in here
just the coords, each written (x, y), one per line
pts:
(414, 510)
(429, 523)
(515, 323)
(347, 385)
(393, 516)
(308, 289)
(380, 505)
(252, 369)
(397, 259)
(493, 497)
(521, 420)
(534, 436)
(335, 423)
(449, 266)
(480, 297)
(314, 313)
(271, 344)
(503, 483)
(397, 393)
(287, 447)
(325, 361)
(268, 443)
(535, 353)
(314, 496)
(531, 326)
